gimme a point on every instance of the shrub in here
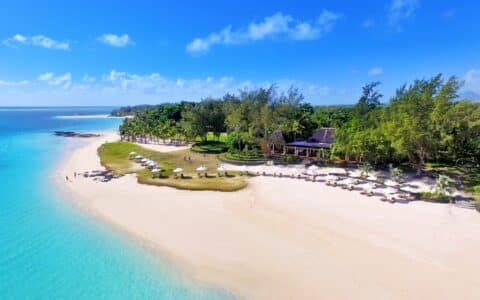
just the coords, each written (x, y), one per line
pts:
(434, 197)
(476, 190)
(444, 185)
(210, 147)
(396, 174)
(252, 156)
(290, 159)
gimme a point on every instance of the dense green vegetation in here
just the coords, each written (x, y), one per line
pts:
(115, 157)
(210, 147)
(130, 110)
(241, 121)
(424, 122)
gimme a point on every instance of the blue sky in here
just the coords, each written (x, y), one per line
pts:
(110, 53)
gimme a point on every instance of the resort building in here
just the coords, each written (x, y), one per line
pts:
(317, 146)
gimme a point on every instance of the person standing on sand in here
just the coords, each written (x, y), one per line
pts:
(66, 178)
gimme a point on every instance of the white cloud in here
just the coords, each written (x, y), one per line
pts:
(114, 40)
(36, 40)
(155, 86)
(13, 83)
(375, 71)
(472, 81)
(61, 80)
(124, 88)
(400, 10)
(278, 25)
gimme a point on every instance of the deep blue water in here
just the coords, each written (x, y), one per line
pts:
(49, 249)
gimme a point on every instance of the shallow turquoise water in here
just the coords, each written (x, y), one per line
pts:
(49, 249)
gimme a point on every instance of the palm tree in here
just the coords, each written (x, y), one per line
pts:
(365, 169)
(396, 174)
(445, 185)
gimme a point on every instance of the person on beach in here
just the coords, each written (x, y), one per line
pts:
(66, 178)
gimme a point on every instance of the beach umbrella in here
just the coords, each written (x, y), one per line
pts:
(410, 189)
(312, 172)
(152, 164)
(355, 174)
(348, 181)
(138, 157)
(331, 177)
(391, 183)
(201, 169)
(368, 186)
(389, 190)
(313, 168)
(178, 170)
(156, 170)
(133, 153)
(244, 168)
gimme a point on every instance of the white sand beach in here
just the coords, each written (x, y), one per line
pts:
(282, 238)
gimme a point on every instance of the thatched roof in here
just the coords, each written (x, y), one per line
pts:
(323, 136)
(276, 138)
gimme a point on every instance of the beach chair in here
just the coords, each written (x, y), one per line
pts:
(367, 191)
(388, 198)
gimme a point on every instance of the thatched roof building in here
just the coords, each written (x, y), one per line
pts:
(276, 138)
(323, 138)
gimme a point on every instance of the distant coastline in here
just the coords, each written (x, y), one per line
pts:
(100, 116)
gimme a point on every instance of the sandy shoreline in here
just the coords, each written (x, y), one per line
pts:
(288, 239)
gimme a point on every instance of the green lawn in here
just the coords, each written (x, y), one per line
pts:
(114, 157)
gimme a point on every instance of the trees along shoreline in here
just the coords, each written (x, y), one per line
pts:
(424, 121)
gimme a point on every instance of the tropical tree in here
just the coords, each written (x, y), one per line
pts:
(445, 185)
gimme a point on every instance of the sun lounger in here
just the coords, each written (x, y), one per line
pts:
(388, 197)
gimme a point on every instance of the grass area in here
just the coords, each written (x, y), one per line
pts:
(210, 147)
(242, 158)
(435, 197)
(114, 157)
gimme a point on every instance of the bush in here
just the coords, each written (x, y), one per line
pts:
(291, 159)
(434, 197)
(476, 190)
(210, 147)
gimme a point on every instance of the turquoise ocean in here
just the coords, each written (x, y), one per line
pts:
(51, 249)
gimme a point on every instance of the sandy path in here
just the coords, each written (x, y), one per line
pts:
(287, 239)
